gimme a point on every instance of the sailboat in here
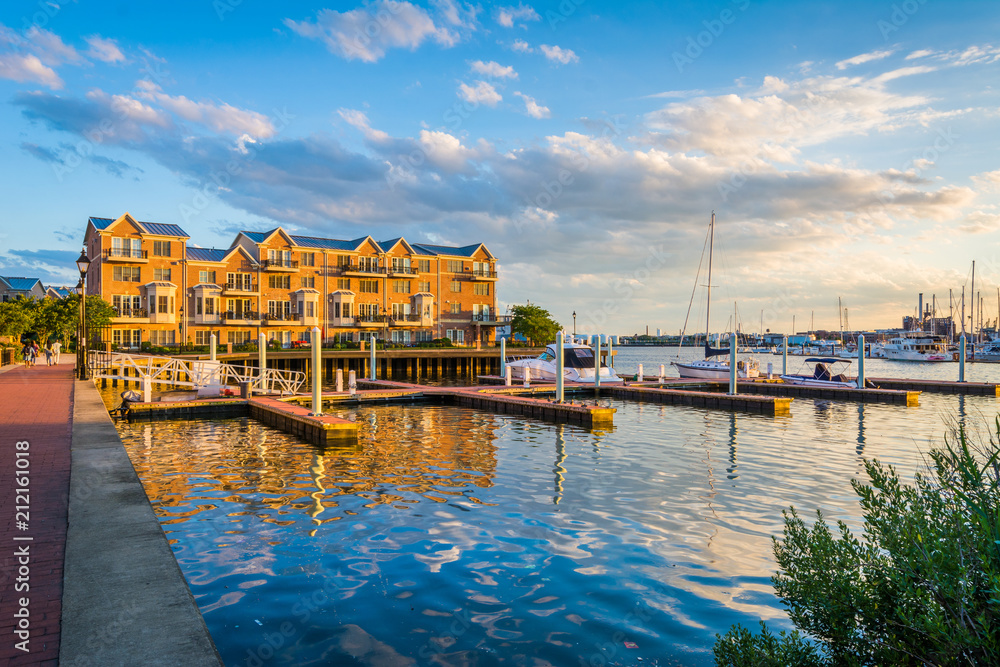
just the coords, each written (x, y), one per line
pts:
(710, 368)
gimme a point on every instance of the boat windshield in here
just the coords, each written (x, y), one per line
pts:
(580, 357)
(545, 356)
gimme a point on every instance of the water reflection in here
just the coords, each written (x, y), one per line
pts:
(734, 430)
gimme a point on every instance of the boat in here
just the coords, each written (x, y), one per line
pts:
(709, 368)
(917, 346)
(827, 372)
(578, 365)
(989, 352)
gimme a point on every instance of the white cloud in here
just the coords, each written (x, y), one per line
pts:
(359, 120)
(218, 117)
(367, 33)
(482, 93)
(507, 16)
(980, 222)
(532, 108)
(865, 58)
(445, 150)
(50, 48)
(521, 46)
(27, 67)
(105, 50)
(988, 180)
(558, 54)
(494, 70)
(920, 53)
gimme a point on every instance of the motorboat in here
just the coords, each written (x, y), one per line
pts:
(827, 372)
(989, 352)
(917, 346)
(578, 365)
(714, 369)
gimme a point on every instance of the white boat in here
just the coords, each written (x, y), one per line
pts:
(917, 346)
(578, 365)
(989, 352)
(709, 368)
(827, 372)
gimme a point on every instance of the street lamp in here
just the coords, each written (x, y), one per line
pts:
(574, 322)
(82, 263)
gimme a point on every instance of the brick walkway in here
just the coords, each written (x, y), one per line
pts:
(35, 406)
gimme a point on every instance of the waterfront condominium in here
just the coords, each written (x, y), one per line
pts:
(167, 292)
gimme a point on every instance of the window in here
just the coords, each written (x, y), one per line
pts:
(279, 309)
(344, 283)
(126, 337)
(126, 274)
(401, 264)
(424, 336)
(210, 306)
(308, 281)
(161, 248)
(279, 282)
(122, 247)
(161, 274)
(456, 335)
(456, 308)
(368, 286)
(160, 337)
(456, 286)
(481, 289)
(400, 310)
(203, 337)
(343, 261)
(401, 286)
(127, 305)
(424, 265)
(481, 268)
(455, 266)
(162, 304)
(310, 309)
(280, 258)
(424, 286)
(197, 306)
(239, 281)
(400, 336)
(206, 277)
(308, 258)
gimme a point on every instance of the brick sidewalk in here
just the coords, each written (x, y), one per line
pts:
(35, 406)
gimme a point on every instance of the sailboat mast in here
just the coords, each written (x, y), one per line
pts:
(708, 304)
(972, 295)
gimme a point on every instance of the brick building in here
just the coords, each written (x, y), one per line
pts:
(167, 292)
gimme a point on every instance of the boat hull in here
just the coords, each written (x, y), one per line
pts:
(710, 370)
(806, 381)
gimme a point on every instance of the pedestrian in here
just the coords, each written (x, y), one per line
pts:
(56, 346)
(26, 354)
(34, 352)
(48, 355)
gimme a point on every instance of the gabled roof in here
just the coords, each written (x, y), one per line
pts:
(59, 291)
(261, 237)
(154, 228)
(392, 243)
(326, 244)
(21, 284)
(464, 251)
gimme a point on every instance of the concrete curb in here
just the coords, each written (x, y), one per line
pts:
(125, 600)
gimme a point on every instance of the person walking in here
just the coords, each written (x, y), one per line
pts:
(26, 354)
(56, 346)
(48, 355)
(34, 352)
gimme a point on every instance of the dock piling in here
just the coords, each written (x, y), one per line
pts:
(503, 356)
(261, 359)
(317, 373)
(861, 362)
(352, 383)
(663, 374)
(211, 346)
(340, 380)
(732, 365)
(371, 371)
(597, 362)
(508, 374)
(961, 358)
(784, 355)
(527, 376)
(560, 364)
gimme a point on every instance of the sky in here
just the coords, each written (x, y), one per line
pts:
(848, 149)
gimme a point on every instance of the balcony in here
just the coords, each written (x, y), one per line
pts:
(411, 320)
(362, 271)
(240, 317)
(126, 255)
(129, 315)
(490, 319)
(280, 265)
(479, 274)
(239, 288)
(403, 271)
(370, 319)
(279, 317)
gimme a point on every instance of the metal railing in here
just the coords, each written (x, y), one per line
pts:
(126, 253)
(480, 273)
(240, 287)
(187, 373)
(280, 317)
(405, 270)
(370, 318)
(239, 315)
(356, 268)
(130, 312)
(281, 263)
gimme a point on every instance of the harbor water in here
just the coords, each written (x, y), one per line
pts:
(450, 536)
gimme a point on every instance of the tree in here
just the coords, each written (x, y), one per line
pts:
(57, 318)
(16, 318)
(921, 585)
(99, 313)
(534, 323)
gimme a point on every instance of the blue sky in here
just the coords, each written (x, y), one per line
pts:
(849, 149)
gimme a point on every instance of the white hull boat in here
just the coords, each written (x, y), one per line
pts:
(824, 374)
(578, 366)
(917, 346)
(711, 369)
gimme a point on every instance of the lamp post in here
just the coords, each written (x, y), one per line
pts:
(574, 324)
(82, 373)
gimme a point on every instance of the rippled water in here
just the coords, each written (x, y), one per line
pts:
(456, 537)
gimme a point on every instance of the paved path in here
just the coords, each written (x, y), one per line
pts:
(35, 407)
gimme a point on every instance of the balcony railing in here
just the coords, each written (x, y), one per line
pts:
(370, 318)
(404, 270)
(125, 253)
(357, 268)
(241, 315)
(484, 317)
(481, 273)
(240, 287)
(281, 264)
(280, 317)
(130, 312)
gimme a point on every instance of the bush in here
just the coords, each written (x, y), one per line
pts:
(922, 585)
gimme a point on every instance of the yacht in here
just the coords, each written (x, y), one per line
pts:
(828, 372)
(712, 369)
(578, 365)
(917, 346)
(989, 352)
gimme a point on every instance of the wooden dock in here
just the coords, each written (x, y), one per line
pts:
(940, 386)
(891, 396)
(767, 405)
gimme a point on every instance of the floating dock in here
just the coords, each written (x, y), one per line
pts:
(940, 386)
(880, 395)
(767, 405)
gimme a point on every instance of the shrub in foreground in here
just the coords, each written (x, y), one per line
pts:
(921, 585)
